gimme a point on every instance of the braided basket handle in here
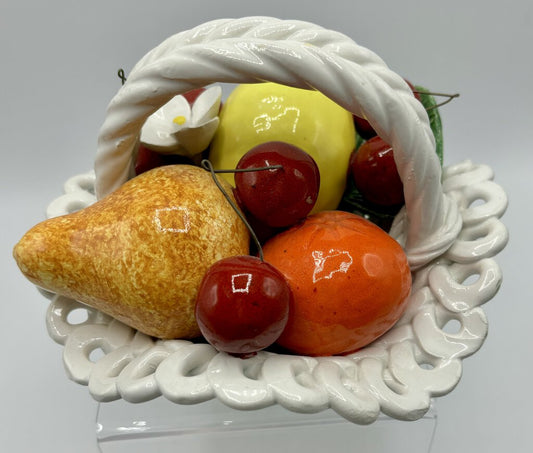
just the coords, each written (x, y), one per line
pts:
(299, 54)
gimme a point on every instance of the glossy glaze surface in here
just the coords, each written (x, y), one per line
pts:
(243, 305)
(349, 278)
(279, 197)
(178, 128)
(375, 174)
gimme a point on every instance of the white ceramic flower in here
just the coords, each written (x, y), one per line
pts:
(176, 128)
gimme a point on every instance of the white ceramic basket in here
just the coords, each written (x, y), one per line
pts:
(449, 229)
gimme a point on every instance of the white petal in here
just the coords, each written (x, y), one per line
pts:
(160, 143)
(158, 132)
(206, 105)
(195, 139)
(177, 106)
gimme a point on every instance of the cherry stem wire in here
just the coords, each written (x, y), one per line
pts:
(122, 75)
(248, 170)
(206, 165)
(449, 96)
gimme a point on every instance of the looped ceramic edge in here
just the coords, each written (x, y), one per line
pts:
(182, 376)
(297, 54)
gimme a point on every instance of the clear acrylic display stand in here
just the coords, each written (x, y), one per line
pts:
(162, 426)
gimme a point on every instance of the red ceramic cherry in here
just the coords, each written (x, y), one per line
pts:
(261, 229)
(363, 128)
(375, 174)
(148, 159)
(242, 305)
(278, 197)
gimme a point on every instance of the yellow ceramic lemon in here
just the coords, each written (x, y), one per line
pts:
(259, 113)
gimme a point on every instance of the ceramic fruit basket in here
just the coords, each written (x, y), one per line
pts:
(449, 228)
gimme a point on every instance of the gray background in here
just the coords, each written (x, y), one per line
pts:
(57, 74)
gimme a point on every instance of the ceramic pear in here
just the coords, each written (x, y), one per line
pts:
(140, 253)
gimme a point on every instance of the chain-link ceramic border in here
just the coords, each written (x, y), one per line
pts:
(300, 54)
(399, 374)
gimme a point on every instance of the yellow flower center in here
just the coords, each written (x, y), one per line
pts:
(180, 119)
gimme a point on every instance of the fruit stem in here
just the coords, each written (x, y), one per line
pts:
(246, 170)
(122, 75)
(206, 164)
(449, 96)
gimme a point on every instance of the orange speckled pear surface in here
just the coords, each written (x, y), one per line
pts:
(140, 253)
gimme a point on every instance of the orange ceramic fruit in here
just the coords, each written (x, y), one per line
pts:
(350, 282)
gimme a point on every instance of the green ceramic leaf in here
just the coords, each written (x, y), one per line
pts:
(429, 103)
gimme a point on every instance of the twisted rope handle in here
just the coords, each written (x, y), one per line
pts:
(299, 54)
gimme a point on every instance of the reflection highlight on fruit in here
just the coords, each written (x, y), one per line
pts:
(327, 264)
